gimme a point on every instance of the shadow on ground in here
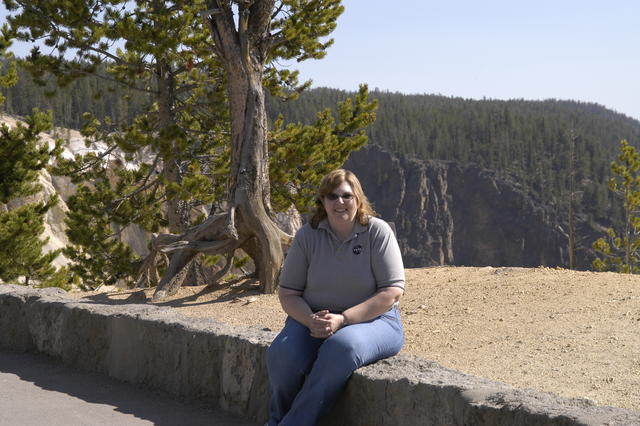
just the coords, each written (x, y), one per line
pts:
(237, 289)
(62, 395)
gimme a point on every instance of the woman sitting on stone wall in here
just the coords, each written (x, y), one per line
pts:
(340, 285)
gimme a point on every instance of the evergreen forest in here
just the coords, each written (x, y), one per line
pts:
(88, 94)
(529, 143)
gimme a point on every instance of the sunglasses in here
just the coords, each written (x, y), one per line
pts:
(347, 196)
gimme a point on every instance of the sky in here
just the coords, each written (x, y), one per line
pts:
(564, 49)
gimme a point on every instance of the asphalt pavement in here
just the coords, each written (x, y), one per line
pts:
(38, 390)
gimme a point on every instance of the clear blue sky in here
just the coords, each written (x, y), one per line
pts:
(565, 49)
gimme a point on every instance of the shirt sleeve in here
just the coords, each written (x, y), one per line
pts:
(294, 271)
(386, 260)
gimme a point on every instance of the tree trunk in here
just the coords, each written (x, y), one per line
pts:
(166, 121)
(249, 187)
(243, 52)
(174, 219)
(572, 194)
(242, 49)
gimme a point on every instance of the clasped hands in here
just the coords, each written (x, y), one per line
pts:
(323, 324)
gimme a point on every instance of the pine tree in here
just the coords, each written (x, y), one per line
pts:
(206, 124)
(151, 48)
(248, 38)
(621, 250)
(21, 248)
(301, 154)
(22, 156)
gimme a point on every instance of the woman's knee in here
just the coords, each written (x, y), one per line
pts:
(290, 354)
(343, 351)
(282, 354)
(362, 345)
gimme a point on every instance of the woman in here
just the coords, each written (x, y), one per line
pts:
(340, 284)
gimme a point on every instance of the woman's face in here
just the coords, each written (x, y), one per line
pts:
(344, 205)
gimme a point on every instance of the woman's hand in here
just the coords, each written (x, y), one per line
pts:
(323, 324)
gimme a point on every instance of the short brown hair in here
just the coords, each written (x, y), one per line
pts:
(329, 183)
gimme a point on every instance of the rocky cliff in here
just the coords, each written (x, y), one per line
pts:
(447, 213)
(414, 196)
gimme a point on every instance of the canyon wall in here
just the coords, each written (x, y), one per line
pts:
(449, 214)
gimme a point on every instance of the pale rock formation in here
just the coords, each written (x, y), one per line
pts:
(74, 143)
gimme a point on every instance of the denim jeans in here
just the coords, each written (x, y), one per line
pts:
(306, 373)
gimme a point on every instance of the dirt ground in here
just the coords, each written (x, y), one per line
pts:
(573, 333)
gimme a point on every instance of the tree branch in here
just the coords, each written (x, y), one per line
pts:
(98, 159)
(206, 247)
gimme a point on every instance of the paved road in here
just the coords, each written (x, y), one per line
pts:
(37, 390)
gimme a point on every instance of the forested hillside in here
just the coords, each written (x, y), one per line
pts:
(101, 97)
(526, 142)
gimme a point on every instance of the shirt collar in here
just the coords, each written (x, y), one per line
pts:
(359, 228)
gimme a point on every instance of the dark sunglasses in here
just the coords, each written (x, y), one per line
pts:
(333, 196)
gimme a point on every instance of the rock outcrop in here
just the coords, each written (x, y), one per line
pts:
(414, 196)
(55, 227)
(447, 213)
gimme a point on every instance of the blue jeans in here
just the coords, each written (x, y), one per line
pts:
(306, 373)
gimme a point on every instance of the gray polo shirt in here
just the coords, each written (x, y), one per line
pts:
(337, 275)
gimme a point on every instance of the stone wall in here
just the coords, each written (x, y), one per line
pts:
(224, 365)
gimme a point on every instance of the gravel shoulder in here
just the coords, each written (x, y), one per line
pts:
(573, 333)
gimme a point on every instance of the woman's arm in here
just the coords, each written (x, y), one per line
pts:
(296, 307)
(323, 324)
(373, 307)
(376, 305)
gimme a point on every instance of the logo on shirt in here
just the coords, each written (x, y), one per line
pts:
(357, 249)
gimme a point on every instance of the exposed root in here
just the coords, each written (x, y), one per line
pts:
(225, 269)
(206, 247)
(210, 237)
(148, 272)
(230, 230)
(216, 235)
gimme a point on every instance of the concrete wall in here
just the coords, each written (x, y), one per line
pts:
(225, 365)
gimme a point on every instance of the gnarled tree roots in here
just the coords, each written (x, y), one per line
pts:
(212, 237)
